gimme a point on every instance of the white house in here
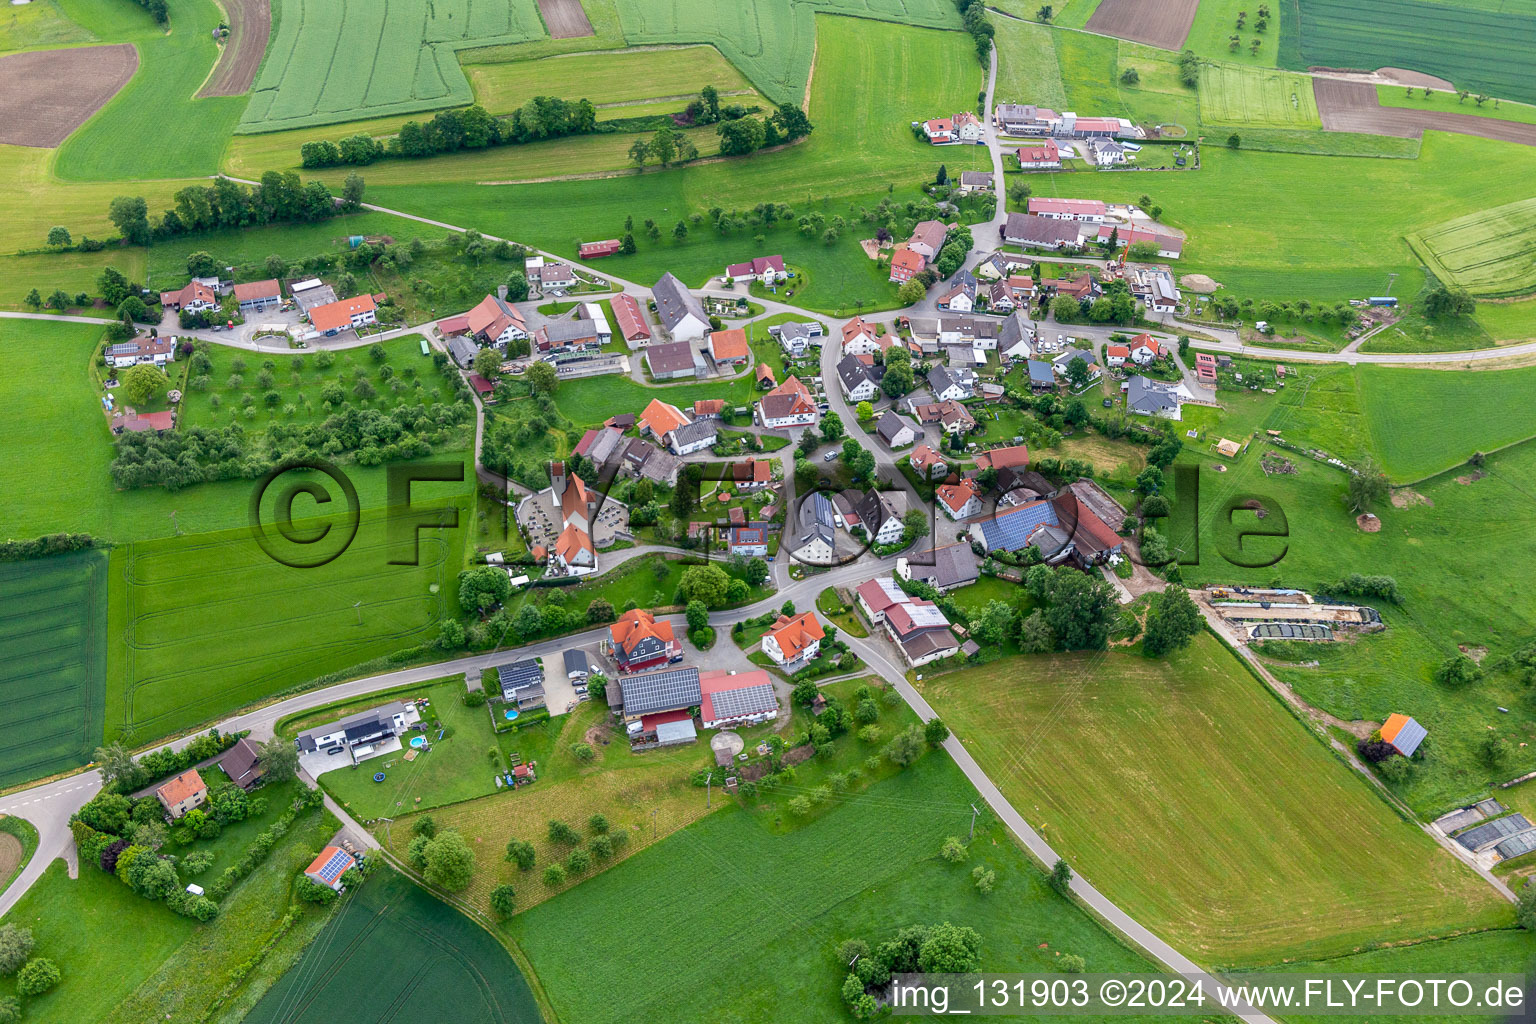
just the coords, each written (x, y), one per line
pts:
(1116, 355)
(859, 338)
(766, 269)
(797, 337)
(966, 126)
(687, 438)
(939, 130)
(793, 640)
(951, 385)
(858, 381)
(788, 405)
(1145, 349)
(895, 431)
(961, 500)
(679, 310)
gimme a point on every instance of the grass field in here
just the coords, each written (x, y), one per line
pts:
(327, 63)
(866, 869)
(1216, 21)
(1152, 778)
(116, 143)
(1447, 102)
(621, 77)
(1232, 94)
(1407, 412)
(1508, 321)
(1487, 253)
(442, 964)
(1454, 42)
(1028, 70)
(39, 25)
(877, 78)
(53, 663)
(258, 627)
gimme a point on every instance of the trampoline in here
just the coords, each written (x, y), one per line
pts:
(378, 776)
(511, 714)
(418, 742)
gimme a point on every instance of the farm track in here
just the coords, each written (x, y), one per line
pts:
(1347, 106)
(250, 26)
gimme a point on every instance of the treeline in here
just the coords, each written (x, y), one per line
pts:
(279, 198)
(973, 15)
(157, 10)
(41, 547)
(128, 774)
(182, 458)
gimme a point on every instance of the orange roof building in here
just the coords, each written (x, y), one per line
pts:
(793, 638)
(639, 640)
(1403, 733)
(660, 419)
(334, 317)
(729, 346)
(184, 793)
(905, 265)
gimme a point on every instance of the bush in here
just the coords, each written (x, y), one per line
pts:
(985, 879)
(554, 876)
(800, 806)
(503, 901)
(521, 853)
(578, 861)
(197, 863)
(953, 850)
(10, 1010)
(311, 891)
(598, 825)
(1071, 963)
(37, 977)
(560, 832)
(583, 752)
(426, 825)
(1457, 671)
(16, 946)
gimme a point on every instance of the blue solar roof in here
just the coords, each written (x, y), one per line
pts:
(1409, 737)
(1009, 530)
(335, 866)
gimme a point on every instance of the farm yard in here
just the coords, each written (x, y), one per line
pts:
(1153, 777)
(35, 111)
(1489, 253)
(441, 965)
(867, 867)
(1459, 43)
(1232, 94)
(53, 663)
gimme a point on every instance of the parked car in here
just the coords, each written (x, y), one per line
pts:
(830, 456)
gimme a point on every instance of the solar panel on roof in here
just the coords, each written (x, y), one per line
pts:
(749, 700)
(1010, 530)
(518, 673)
(335, 866)
(661, 691)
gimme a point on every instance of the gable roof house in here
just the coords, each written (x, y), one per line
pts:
(1000, 297)
(906, 263)
(256, 296)
(793, 640)
(1116, 355)
(241, 763)
(736, 698)
(1145, 349)
(960, 501)
(672, 360)
(645, 460)
(708, 408)
(952, 416)
(960, 294)
(939, 130)
(328, 867)
(968, 127)
(944, 569)
(928, 463)
(879, 513)
(675, 689)
(1058, 527)
(729, 346)
(766, 380)
(1087, 211)
(766, 269)
(693, 437)
(1044, 155)
(1064, 360)
(562, 336)
(522, 683)
(975, 181)
(860, 382)
(680, 311)
(630, 320)
(184, 793)
(921, 630)
(158, 350)
(895, 431)
(1015, 340)
(495, 322)
(1153, 397)
(796, 337)
(1103, 152)
(788, 405)
(195, 297)
(752, 474)
(749, 540)
(1169, 247)
(661, 418)
(1403, 733)
(1041, 232)
(815, 539)
(348, 314)
(639, 640)
(928, 238)
(951, 385)
(859, 338)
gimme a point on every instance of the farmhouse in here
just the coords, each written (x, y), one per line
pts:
(310, 293)
(185, 792)
(975, 181)
(927, 238)
(1039, 157)
(766, 269)
(673, 360)
(258, 296)
(1087, 211)
(920, 629)
(241, 763)
(360, 736)
(660, 418)
(860, 383)
(736, 698)
(568, 336)
(797, 337)
(944, 569)
(1103, 152)
(895, 431)
(788, 405)
(630, 320)
(639, 640)
(1058, 528)
(1040, 232)
(793, 640)
(1169, 247)
(196, 297)
(348, 314)
(729, 346)
(658, 692)
(157, 351)
(597, 250)
(693, 437)
(680, 311)
(906, 264)
(328, 867)
(1028, 119)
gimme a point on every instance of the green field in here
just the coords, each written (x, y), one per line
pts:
(618, 79)
(1449, 103)
(1455, 42)
(1408, 413)
(41, 24)
(1028, 70)
(117, 142)
(1215, 23)
(53, 663)
(440, 965)
(1236, 95)
(206, 622)
(866, 869)
(1491, 252)
(1156, 780)
(328, 63)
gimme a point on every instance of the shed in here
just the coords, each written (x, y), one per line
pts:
(1403, 733)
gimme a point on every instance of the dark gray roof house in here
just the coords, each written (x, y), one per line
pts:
(670, 360)
(1151, 397)
(242, 763)
(674, 302)
(462, 351)
(941, 379)
(853, 373)
(954, 565)
(518, 676)
(1044, 232)
(576, 664)
(890, 430)
(1040, 374)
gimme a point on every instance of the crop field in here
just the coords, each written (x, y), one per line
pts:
(1491, 252)
(328, 63)
(1164, 23)
(1232, 94)
(172, 67)
(441, 965)
(1448, 103)
(613, 77)
(204, 623)
(771, 42)
(32, 110)
(1457, 43)
(53, 663)
(1155, 779)
(866, 868)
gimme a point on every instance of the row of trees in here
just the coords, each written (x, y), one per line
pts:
(928, 949)
(973, 15)
(281, 197)
(449, 131)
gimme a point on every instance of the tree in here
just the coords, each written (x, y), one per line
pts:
(1081, 611)
(899, 378)
(542, 378)
(995, 623)
(16, 946)
(560, 832)
(578, 861)
(130, 215)
(1442, 302)
(680, 232)
(279, 759)
(1234, 141)
(10, 1010)
(483, 587)
(37, 977)
(627, 245)
(503, 901)
(34, 300)
(352, 192)
(1044, 13)
(950, 949)
(202, 264)
(1071, 963)
(985, 878)
(521, 853)
(1061, 877)
(143, 384)
(1130, 76)
(831, 427)
(914, 524)
(935, 732)
(116, 763)
(1065, 308)
(487, 363)
(741, 136)
(1172, 623)
(1035, 634)
(554, 876)
(953, 850)
(911, 292)
(1367, 485)
(865, 412)
(706, 583)
(906, 747)
(59, 237)
(450, 863)
(1525, 906)
(1077, 372)
(1457, 671)
(1149, 480)
(639, 152)
(697, 614)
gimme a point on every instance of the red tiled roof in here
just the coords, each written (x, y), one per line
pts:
(480, 384)
(337, 315)
(731, 344)
(454, 324)
(637, 624)
(187, 784)
(794, 635)
(906, 259)
(957, 496)
(765, 372)
(631, 322)
(660, 417)
(709, 407)
(855, 327)
(257, 290)
(488, 319)
(573, 540)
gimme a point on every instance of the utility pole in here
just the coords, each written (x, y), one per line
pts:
(709, 785)
(357, 606)
(974, 812)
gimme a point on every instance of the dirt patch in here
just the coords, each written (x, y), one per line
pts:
(10, 854)
(250, 25)
(1162, 23)
(1476, 652)
(565, 19)
(1353, 106)
(1368, 522)
(45, 95)
(1418, 79)
(602, 735)
(1199, 284)
(1471, 478)
(1255, 506)
(1407, 497)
